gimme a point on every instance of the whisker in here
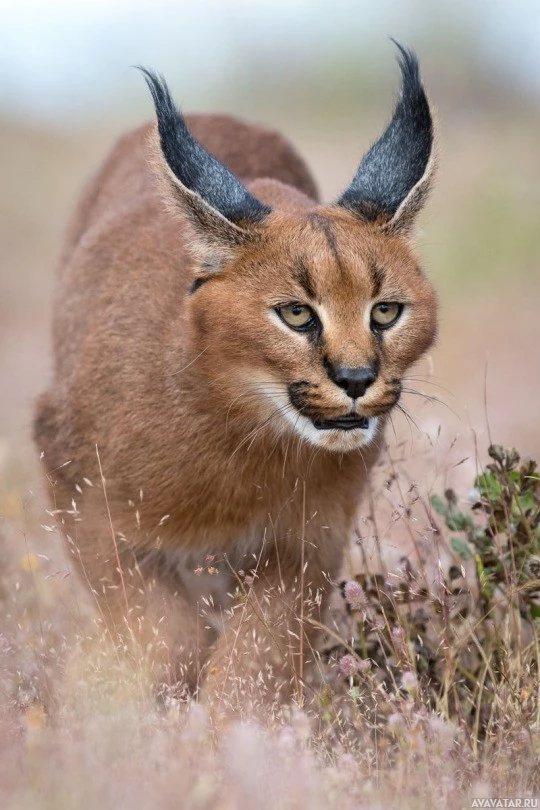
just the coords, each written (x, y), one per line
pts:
(408, 416)
(316, 452)
(393, 427)
(255, 432)
(430, 398)
(253, 392)
(298, 445)
(174, 373)
(282, 410)
(427, 381)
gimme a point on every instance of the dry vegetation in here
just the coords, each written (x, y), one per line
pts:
(424, 694)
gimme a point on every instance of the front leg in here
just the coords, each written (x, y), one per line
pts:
(267, 644)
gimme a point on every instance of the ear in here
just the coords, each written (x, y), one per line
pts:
(221, 212)
(395, 176)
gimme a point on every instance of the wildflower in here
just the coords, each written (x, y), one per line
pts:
(397, 633)
(443, 733)
(409, 682)
(364, 665)
(355, 595)
(348, 665)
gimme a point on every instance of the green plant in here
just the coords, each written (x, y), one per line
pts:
(501, 530)
(466, 638)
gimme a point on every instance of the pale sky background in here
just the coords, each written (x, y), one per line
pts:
(60, 57)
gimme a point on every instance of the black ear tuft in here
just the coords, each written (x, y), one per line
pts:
(195, 168)
(392, 180)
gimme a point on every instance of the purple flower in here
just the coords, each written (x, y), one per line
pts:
(348, 665)
(355, 595)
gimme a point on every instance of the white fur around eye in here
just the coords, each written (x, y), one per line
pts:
(276, 320)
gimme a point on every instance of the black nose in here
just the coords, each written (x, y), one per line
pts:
(355, 381)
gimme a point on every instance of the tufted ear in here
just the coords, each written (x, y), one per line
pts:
(221, 211)
(394, 177)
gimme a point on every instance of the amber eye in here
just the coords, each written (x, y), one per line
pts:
(385, 314)
(297, 316)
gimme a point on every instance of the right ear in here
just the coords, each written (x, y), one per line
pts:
(395, 176)
(220, 210)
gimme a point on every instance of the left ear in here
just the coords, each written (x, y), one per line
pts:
(395, 176)
(219, 211)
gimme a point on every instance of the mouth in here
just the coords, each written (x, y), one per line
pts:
(350, 422)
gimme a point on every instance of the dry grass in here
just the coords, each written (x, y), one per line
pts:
(429, 694)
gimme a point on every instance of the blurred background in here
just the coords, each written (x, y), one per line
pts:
(325, 74)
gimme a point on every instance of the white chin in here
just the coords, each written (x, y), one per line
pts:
(338, 441)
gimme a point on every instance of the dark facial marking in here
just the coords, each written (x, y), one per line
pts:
(301, 275)
(298, 392)
(328, 367)
(198, 282)
(377, 278)
(378, 335)
(394, 386)
(326, 228)
(315, 336)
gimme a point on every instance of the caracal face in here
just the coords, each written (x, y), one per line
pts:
(309, 332)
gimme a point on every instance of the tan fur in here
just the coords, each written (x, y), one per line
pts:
(178, 398)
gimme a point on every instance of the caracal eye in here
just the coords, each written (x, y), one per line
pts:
(297, 316)
(385, 314)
